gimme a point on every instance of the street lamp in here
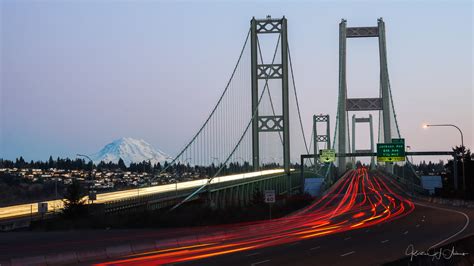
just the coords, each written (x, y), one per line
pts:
(462, 151)
(91, 196)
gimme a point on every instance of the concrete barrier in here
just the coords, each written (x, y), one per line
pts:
(166, 243)
(452, 202)
(186, 241)
(5, 263)
(143, 247)
(27, 261)
(83, 256)
(62, 258)
(118, 251)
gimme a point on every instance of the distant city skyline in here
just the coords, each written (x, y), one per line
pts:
(78, 75)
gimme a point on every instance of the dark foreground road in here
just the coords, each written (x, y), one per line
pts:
(366, 219)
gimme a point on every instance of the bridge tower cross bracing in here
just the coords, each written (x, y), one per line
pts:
(355, 121)
(318, 138)
(361, 104)
(274, 123)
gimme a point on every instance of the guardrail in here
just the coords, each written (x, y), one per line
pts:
(165, 199)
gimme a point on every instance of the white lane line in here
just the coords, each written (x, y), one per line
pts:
(347, 238)
(260, 262)
(348, 253)
(315, 248)
(406, 232)
(417, 225)
(384, 241)
(459, 232)
(252, 254)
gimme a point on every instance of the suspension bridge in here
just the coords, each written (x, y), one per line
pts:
(255, 132)
(254, 139)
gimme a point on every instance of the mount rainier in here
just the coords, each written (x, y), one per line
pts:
(130, 150)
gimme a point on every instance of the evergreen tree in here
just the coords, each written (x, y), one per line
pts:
(50, 162)
(122, 165)
(74, 202)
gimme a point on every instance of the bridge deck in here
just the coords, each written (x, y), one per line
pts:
(23, 210)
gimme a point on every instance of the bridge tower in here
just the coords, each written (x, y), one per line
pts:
(356, 120)
(320, 138)
(273, 123)
(381, 104)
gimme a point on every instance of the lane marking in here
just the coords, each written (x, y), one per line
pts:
(444, 209)
(406, 232)
(347, 238)
(315, 248)
(253, 254)
(417, 225)
(348, 253)
(260, 262)
(384, 241)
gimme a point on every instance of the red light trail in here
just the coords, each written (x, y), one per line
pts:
(359, 200)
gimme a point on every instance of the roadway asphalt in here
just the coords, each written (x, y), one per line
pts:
(423, 227)
(375, 245)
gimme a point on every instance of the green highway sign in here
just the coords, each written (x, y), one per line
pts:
(328, 155)
(402, 141)
(391, 152)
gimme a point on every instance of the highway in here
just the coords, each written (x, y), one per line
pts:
(23, 210)
(365, 220)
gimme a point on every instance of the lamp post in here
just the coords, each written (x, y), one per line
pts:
(462, 151)
(93, 178)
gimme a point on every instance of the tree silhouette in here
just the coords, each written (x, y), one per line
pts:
(122, 165)
(74, 201)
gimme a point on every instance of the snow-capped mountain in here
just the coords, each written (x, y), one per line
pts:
(130, 150)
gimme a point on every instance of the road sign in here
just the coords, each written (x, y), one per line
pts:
(391, 152)
(42, 207)
(402, 141)
(269, 196)
(328, 155)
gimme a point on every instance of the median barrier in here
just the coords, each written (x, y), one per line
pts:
(166, 243)
(5, 263)
(143, 247)
(88, 255)
(187, 241)
(118, 251)
(36, 260)
(65, 258)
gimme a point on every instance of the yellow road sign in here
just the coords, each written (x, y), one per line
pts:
(328, 155)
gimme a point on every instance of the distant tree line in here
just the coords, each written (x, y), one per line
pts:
(177, 169)
(59, 163)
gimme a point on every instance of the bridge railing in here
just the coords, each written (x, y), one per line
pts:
(165, 199)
